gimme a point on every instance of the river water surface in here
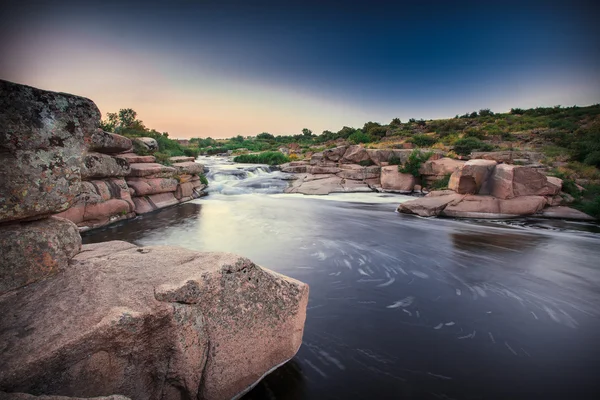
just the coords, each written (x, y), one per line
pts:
(401, 306)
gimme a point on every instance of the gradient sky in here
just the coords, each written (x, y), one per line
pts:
(220, 68)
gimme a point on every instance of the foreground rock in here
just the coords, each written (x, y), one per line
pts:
(41, 143)
(25, 396)
(326, 183)
(429, 206)
(35, 250)
(150, 323)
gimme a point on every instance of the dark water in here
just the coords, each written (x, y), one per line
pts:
(405, 307)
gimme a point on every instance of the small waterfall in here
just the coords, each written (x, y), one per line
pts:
(229, 178)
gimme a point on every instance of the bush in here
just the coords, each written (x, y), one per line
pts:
(422, 140)
(203, 179)
(359, 137)
(394, 161)
(414, 162)
(268, 157)
(441, 183)
(366, 163)
(466, 146)
(191, 151)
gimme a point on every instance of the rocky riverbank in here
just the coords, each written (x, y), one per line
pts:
(488, 186)
(112, 318)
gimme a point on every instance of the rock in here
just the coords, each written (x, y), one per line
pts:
(24, 396)
(474, 206)
(153, 202)
(147, 143)
(429, 206)
(41, 142)
(510, 181)
(471, 176)
(441, 167)
(565, 213)
(35, 250)
(357, 172)
(335, 154)
(180, 159)
(150, 323)
(315, 169)
(326, 183)
(151, 169)
(355, 154)
(394, 181)
(189, 167)
(184, 190)
(112, 188)
(316, 158)
(146, 186)
(98, 165)
(106, 142)
(554, 184)
(294, 169)
(133, 158)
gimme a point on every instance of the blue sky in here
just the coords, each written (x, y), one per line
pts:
(222, 68)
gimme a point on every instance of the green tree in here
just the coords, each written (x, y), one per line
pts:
(307, 132)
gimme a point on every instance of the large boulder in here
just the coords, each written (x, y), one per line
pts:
(146, 186)
(35, 250)
(490, 207)
(429, 206)
(470, 177)
(150, 323)
(510, 181)
(394, 181)
(41, 142)
(326, 183)
(355, 154)
(508, 156)
(98, 165)
(106, 142)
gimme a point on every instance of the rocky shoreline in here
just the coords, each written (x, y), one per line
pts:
(114, 319)
(487, 186)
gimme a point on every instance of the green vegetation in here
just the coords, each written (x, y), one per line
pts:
(415, 159)
(467, 145)
(125, 123)
(441, 183)
(359, 137)
(422, 140)
(203, 179)
(366, 163)
(269, 157)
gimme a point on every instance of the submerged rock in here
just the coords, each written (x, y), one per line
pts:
(150, 323)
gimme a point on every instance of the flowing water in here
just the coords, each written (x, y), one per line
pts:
(401, 306)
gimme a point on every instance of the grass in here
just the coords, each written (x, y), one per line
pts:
(268, 157)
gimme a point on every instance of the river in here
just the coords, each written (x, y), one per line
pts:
(402, 306)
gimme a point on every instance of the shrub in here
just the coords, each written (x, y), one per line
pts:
(422, 140)
(203, 179)
(359, 137)
(162, 157)
(394, 161)
(268, 157)
(485, 112)
(191, 151)
(441, 183)
(415, 159)
(366, 163)
(467, 145)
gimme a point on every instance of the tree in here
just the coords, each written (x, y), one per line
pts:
(396, 122)
(307, 132)
(127, 117)
(265, 136)
(485, 112)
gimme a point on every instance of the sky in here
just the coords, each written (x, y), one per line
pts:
(198, 68)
